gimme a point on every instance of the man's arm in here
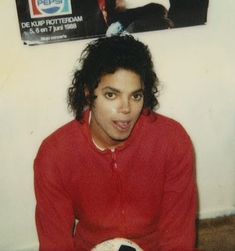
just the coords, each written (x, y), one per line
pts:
(179, 204)
(54, 211)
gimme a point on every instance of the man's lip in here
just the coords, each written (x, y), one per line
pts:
(122, 125)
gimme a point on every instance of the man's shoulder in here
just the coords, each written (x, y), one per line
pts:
(162, 121)
(59, 147)
(163, 132)
(64, 135)
(64, 131)
(163, 126)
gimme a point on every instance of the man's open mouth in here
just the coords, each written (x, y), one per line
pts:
(122, 125)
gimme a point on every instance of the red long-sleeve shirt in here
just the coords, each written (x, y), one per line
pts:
(144, 191)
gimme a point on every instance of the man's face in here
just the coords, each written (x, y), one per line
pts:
(117, 107)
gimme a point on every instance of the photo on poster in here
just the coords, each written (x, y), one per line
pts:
(48, 21)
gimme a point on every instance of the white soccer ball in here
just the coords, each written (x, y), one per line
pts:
(115, 245)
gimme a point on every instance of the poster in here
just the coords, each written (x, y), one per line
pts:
(49, 21)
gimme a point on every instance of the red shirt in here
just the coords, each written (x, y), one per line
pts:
(144, 191)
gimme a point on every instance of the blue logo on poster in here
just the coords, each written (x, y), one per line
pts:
(46, 8)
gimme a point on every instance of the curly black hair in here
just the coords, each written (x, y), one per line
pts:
(104, 56)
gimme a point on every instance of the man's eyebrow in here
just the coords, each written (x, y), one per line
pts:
(139, 90)
(111, 89)
(118, 91)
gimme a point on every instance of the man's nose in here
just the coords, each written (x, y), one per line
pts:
(125, 106)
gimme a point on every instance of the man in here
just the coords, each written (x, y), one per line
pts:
(132, 17)
(124, 172)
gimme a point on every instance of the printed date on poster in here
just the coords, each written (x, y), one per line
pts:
(51, 25)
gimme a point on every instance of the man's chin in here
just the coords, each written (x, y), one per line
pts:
(120, 139)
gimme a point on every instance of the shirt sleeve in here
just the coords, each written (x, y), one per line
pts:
(54, 211)
(179, 203)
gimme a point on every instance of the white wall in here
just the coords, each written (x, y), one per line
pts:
(196, 67)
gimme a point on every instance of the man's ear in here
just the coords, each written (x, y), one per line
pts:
(86, 91)
(87, 95)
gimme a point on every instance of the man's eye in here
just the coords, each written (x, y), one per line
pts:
(137, 96)
(110, 95)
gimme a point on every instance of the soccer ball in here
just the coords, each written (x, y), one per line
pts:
(117, 244)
